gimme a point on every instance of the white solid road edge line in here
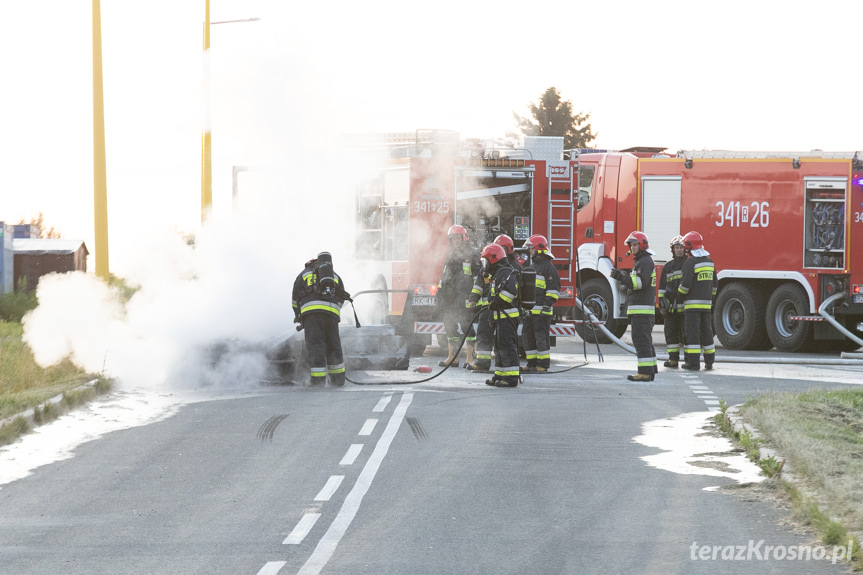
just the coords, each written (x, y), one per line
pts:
(302, 529)
(328, 543)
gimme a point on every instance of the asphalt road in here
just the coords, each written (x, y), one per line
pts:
(445, 477)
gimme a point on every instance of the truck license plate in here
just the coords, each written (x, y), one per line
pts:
(424, 300)
(858, 298)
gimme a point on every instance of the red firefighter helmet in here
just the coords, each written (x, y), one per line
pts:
(455, 231)
(693, 241)
(493, 254)
(540, 244)
(505, 241)
(639, 238)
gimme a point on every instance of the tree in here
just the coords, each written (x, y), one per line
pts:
(39, 223)
(553, 117)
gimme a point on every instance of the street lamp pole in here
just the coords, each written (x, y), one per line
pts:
(206, 144)
(100, 178)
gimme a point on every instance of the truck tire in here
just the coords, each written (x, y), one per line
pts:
(738, 317)
(596, 296)
(786, 335)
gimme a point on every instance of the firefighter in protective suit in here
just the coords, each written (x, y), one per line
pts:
(641, 283)
(317, 300)
(503, 306)
(697, 289)
(537, 342)
(457, 279)
(670, 304)
(479, 300)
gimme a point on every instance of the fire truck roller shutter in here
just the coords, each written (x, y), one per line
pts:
(788, 300)
(660, 210)
(597, 297)
(738, 316)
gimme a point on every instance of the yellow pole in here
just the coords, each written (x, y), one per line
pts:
(206, 153)
(100, 178)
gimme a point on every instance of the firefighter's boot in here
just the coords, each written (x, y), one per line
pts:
(470, 358)
(451, 359)
(672, 362)
(640, 377)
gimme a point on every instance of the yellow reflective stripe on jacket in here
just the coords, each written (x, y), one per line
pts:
(321, 305)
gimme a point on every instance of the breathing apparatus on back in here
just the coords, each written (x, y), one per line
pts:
(326, 277)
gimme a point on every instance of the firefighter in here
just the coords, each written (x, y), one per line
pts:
(697, 289)
(670, 304)
(479, 300)
(503, 307)
(461, 266)
(537, 342)
(317, 300)
(641, 285)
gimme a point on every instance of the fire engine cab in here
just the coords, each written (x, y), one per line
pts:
(778, 225)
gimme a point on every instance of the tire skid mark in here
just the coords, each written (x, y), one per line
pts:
(417, 428)
(266, 431)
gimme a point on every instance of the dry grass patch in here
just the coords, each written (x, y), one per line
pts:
(820, 434)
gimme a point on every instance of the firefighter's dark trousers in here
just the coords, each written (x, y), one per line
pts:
(673, 327)
(698, 334)
(537, 341)
(484, 341)
(642, 339)
(324, 347)
(506, 364)
(457, 314)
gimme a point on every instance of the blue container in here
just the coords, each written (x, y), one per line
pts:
(7, 259)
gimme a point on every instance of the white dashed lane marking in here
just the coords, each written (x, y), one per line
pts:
(352, 454)
(701, 391)
(302, 529)
(330, 488)
(326, 546)
(272, 567)
(382, 404)
(368, 427)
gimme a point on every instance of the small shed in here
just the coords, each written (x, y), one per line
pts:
(35, 257)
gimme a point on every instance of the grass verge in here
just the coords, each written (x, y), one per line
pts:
(820, 435)
(26, 385)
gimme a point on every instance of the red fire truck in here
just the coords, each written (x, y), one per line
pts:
(779, 227)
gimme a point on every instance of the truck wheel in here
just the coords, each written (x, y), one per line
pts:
(596, 296)
(738, 317)
(787, 335)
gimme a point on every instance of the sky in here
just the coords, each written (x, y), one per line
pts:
(765, 75)
(762, 75)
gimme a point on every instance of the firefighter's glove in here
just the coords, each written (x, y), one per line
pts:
(664, 304)
(620, 276)
(469, 304)
(297, 319)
